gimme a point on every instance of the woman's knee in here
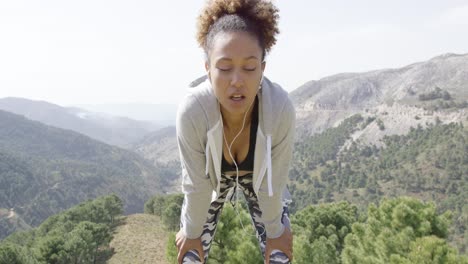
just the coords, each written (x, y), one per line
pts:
(278, 257)
(191, 257)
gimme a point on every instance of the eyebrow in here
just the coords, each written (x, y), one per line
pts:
(229, 59)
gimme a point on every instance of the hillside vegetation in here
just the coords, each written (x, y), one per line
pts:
(44, 170)
(430, 164)
(400, 230)
(350, 206)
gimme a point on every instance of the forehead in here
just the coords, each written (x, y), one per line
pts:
(235, 45)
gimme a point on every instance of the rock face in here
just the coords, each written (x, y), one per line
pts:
(324, 103)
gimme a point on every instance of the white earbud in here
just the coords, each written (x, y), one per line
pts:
(260, 85)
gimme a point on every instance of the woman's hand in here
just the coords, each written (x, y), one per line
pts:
(283, 243)
(184, 244)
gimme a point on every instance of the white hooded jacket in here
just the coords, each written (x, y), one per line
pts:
(200, 141)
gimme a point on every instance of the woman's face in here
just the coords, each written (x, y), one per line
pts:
(235, 69)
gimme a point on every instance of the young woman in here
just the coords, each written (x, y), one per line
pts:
(235, 130)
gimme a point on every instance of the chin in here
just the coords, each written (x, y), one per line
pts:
(235, 110)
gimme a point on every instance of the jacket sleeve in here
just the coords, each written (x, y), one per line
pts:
(196, 185)
(281, 155)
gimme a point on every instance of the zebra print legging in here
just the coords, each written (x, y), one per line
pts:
(209, 228)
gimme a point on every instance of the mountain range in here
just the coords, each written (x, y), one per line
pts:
(114, 130)
(163, 114)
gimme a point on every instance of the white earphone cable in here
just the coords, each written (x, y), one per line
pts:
(229, 146)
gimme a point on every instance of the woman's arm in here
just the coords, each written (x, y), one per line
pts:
(196, 186)
(278, 236)
(283, 142)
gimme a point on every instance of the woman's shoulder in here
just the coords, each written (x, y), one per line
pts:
(279, 97)
(198, 91)
(199, 102)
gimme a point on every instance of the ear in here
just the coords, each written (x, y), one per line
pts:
(207, 69)
(263, 66)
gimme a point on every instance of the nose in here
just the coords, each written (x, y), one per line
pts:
(237, 79)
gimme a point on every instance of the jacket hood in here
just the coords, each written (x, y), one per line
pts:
(204, 93)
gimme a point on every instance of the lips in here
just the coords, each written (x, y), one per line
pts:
(237, 97)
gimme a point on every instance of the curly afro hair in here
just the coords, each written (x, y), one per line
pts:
(257, 17)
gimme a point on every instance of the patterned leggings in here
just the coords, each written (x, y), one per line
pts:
(209, 228)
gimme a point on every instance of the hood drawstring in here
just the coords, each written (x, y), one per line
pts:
(207, 158)
(269, 167)
(267, 109)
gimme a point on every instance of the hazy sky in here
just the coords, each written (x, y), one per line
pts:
(76, 52)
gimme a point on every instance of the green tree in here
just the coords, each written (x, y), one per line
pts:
(391, 229)
(14, 254)
(167, 207)
(80, 234)
(51, 250)
(235, 241)
(434, 250)
(321, 230)
(171, 216)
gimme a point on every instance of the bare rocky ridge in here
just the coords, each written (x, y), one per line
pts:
(324, 103)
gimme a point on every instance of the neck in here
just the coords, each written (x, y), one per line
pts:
(234, 122)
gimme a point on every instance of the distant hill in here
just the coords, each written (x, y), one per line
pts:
(160, 147)
(163, 114)
(44, 170)
(115, 130)
(10, 221)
